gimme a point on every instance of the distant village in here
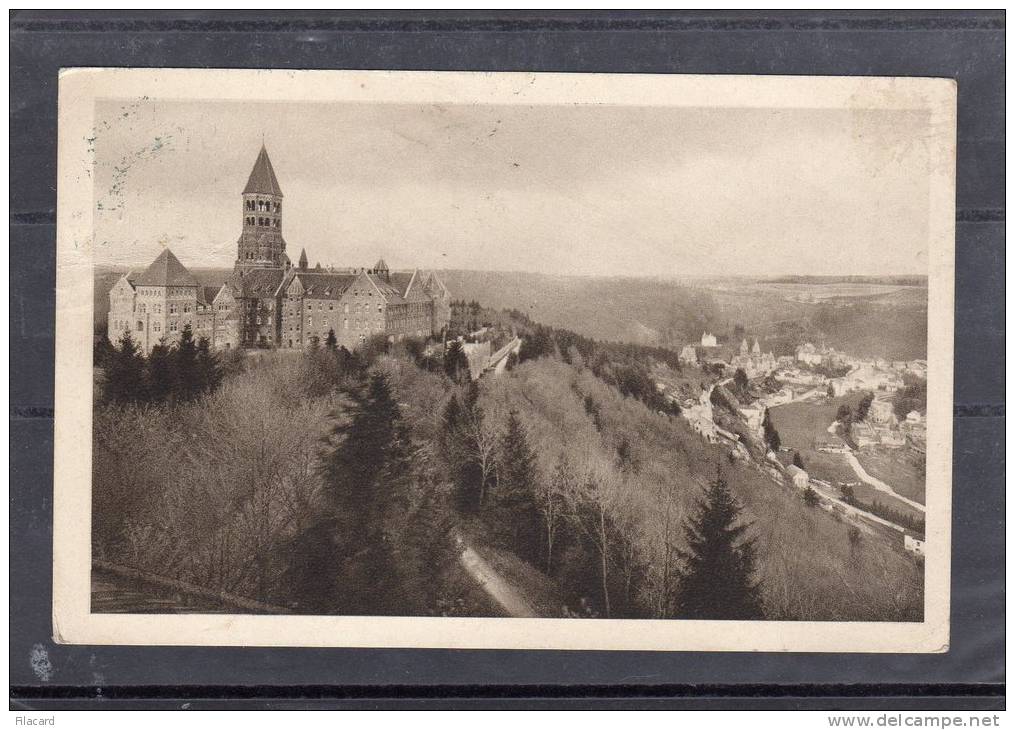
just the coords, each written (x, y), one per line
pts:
(812, 374)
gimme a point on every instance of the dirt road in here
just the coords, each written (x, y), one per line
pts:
(502, 593)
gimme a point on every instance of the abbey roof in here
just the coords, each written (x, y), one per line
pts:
(324, 285)
(165, 270)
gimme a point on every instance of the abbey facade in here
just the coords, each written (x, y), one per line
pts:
(268, 301)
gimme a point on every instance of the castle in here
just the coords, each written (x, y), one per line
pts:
(269, 302)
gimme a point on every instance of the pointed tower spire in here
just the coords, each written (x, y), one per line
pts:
(261, 244)
(303, 260)
(381, 270)
(262, 177)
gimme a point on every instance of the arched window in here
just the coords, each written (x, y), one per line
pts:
(140, 325)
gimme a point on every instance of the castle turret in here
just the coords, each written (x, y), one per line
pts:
(381, 270)
(304, 263)
(261, 244)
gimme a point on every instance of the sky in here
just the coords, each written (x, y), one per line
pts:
(572, 189)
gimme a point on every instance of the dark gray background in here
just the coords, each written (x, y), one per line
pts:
(965, 46)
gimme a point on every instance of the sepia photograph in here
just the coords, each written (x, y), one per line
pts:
(504, 360)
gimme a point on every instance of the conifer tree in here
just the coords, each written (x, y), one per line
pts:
(208, 369)
(456, 364)
(717, 578)
(516, 511)
(368, 476)
(331, 342)
(771, 435)
(102, 351)
(159, 373)
(798, 460)
(125, 382)
(863, 407)
(186, 377)
(740, 382)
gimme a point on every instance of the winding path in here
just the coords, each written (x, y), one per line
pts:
(866, 478)
(498, 589)
(877, 483)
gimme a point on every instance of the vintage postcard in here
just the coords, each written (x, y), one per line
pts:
(504, 360)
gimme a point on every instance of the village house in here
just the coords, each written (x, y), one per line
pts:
(914, 544)
(882, 412)
(797, 476)
(809, 354)
(708, 340)
(754, 416)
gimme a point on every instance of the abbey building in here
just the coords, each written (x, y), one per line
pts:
(268, 301)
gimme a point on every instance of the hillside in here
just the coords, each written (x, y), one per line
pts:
(876, 321)
(883, 322)
(807, 565)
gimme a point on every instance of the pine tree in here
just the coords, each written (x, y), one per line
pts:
(716, 581)
(102, 351)
(159, 373)
(798, 460)
(456, 364)
(863, 407)
(331, 342)
(125, 382)
(208, 370)
(516, 513)
(740, 382)
(186, 385)
(368, 476)
(771, 435)
(811, 497)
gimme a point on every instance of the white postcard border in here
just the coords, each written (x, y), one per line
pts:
(73, 623)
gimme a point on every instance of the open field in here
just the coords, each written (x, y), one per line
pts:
(812, 293)
(903, 469)
(802, 426)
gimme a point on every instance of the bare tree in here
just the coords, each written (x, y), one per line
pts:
(592, 510)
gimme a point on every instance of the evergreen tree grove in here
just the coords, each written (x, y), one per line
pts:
(717, 578)
(125, 376)
(209, 373)
(186, 373)
(456, 364)
(516, 512)
(159, 373)
(368, 476)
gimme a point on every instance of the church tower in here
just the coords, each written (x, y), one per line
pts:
(261, 245)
